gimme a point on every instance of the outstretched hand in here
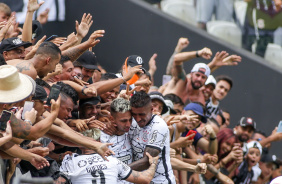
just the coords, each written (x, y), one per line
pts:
(103, 150)
(92, 41)
(83, 28)
(33, 5)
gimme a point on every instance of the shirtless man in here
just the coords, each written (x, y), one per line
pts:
(187, 87)
(44, 61)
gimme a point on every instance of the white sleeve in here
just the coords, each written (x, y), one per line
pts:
(124, 170)
(158, 135)
(67, 166)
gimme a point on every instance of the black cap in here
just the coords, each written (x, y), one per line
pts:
(135, 60)
(247, 121)
(40, 93)
(36, 29)
(88, 60)
(267, 158)
(13, 43)
(91, 101)
(159, 96)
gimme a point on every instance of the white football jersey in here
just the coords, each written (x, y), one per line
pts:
(89, 169)
(121, 146)
(155, 135)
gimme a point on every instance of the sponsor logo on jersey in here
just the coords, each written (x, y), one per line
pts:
(82, 163)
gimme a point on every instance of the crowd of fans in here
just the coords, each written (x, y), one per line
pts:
(117, 127)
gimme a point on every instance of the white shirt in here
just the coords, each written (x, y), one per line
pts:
(155, 135)
(121, 146)
(88, 169)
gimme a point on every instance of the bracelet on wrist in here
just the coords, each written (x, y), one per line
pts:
(124, 80)
(198, 160)
(212, 138)
(82, 91)
(26, 120)
(197, 54)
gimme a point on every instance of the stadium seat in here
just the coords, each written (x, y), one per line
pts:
(181, 9)
(240, 11)
(227, 31)
(273, 54)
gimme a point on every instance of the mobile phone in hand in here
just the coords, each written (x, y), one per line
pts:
(28, 105)
(279, 129)
(5, 117)
(191, 132)
(54, 94)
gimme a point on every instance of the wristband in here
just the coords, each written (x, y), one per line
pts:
(197, 54)
(124, 80)
(26, 120)
(212, 138)
(82, 91)
(198, 161)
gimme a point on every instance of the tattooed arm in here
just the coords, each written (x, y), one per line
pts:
(74, 52)
(147, 175)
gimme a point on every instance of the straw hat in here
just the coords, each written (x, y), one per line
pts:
(14, 86)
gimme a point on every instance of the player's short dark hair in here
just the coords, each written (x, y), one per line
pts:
(64, 59)
(107, 76)
(260, 132)
(225, 78)
(42, 83)
(69, 91)
(48, 48)
(174, 98)
(140, 99)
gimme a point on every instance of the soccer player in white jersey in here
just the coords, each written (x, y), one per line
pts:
(149, 134)
(90, 168)
(121, 118)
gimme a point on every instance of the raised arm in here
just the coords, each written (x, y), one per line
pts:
(74, 52)
(84, 26)
(181, 44)
(222, 59)
(32, 6)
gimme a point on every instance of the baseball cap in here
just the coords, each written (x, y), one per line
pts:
(247, 121)
(254, 144)
(36, 29)
(40, 93)
(198, 109)
(210, 80)
(91, 101)
(134, 60)
(169, 104)
(198, 68)
(88, 60)
(266, 158)
(159, 96)
(13, 43)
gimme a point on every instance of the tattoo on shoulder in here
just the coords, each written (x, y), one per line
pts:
(25, 65)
